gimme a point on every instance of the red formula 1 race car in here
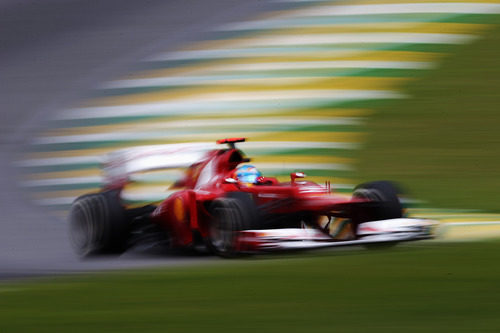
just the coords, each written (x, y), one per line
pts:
(228, 207)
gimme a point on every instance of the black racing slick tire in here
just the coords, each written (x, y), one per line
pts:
(384, 202)
(230, 215)
(98, 224)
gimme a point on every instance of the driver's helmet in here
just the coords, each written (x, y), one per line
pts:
(247, 174)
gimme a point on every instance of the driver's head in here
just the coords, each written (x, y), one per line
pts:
(247, 174)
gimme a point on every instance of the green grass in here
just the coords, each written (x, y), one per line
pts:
(444, 142)
(413, 288)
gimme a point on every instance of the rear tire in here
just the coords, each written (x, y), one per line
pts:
(98, 224)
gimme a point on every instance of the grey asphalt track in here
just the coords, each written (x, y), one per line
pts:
(52, 53)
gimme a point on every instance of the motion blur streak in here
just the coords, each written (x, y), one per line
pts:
(306, 61)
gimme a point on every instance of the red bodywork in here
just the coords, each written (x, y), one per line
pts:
(186, 214)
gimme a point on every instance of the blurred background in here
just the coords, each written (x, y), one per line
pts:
(346, 91)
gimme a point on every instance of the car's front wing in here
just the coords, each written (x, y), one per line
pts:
(383, 231)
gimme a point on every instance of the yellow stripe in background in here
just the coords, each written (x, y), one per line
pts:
(191, 124)
(301, 159)
(304, 113)
(310, 136)
(411, 27)
(90, 172)
(374, 83)
(64, 193)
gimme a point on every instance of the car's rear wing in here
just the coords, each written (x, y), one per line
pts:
(118, 165)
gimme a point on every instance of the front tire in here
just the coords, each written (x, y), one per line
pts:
(98, 224)
(384, 203)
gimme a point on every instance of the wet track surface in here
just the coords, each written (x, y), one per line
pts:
(51, 54)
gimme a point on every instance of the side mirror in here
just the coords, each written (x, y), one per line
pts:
(295, 175)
